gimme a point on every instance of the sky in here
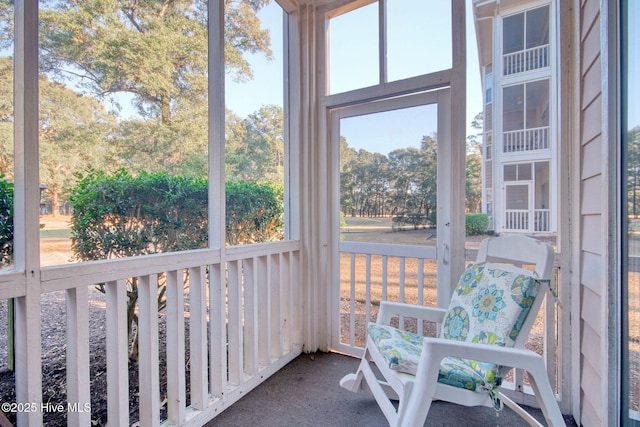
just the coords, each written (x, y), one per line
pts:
(357, 64)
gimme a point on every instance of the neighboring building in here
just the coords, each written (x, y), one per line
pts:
(517, 60)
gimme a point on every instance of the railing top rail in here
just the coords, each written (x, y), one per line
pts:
(529, 49)
(530, 129)
(388, 249)
(69, 276)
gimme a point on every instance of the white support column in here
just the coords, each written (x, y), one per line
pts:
(26, 212)
(217, 291)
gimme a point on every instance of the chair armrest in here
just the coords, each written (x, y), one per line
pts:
(439, 348)
(388, 309)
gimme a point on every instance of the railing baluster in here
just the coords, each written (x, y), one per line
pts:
(264, 339)
(285, 302)
(217, 330)
(368, 290)
(420, 285)
(402, 290)
(78, 390)
(117, 353)
(234, 322)
(549, 348)
(176, 383)
(149, 370)
(352, 302)
(274, 287)
(384, 277)
(250, 316)
(296, 294)
(198, 338)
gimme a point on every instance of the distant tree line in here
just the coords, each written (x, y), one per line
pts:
(403, 183)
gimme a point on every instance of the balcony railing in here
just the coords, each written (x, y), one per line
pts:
(518, 220)
(526, 60)
(240, 317)
(541, 220)
(371, 273)
(525, 140)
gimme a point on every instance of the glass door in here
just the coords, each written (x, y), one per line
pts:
(389, 156)
(517, 205)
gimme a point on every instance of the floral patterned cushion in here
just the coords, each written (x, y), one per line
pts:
(401, 350)
(489, 306)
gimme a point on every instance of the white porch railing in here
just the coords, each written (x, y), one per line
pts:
(516, 220)
(243, 315)
(525, 140)
(370, 273)
(526, 60)
(542, 220)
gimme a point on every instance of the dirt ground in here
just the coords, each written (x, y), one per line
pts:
(56, 249)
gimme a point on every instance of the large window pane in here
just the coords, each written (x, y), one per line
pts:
(513, 108)
(353, 49)
(631, 242)
(538, 27)
(6, 136)
(537, 104)
(124, 91)
(517, 197)
(388, 175)
(255, 146)
(412, 51)
(513, 33)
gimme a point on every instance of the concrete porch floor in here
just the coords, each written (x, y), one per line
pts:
(306, 393)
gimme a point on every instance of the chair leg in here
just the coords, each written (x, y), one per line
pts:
(519, 410)
(545, 395)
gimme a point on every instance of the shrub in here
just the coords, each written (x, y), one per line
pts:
(255, 212)
(476, 224)
(120, 215)
(6, 222)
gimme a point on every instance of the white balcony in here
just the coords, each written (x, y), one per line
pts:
(525, 60)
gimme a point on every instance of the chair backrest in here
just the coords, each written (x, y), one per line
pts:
(518, 249)
(496, 299)
(521, 250)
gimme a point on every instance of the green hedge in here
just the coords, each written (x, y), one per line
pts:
(120, 215)
(476, 224)
(6, 222)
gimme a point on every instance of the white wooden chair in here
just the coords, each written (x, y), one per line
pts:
(493, 303)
